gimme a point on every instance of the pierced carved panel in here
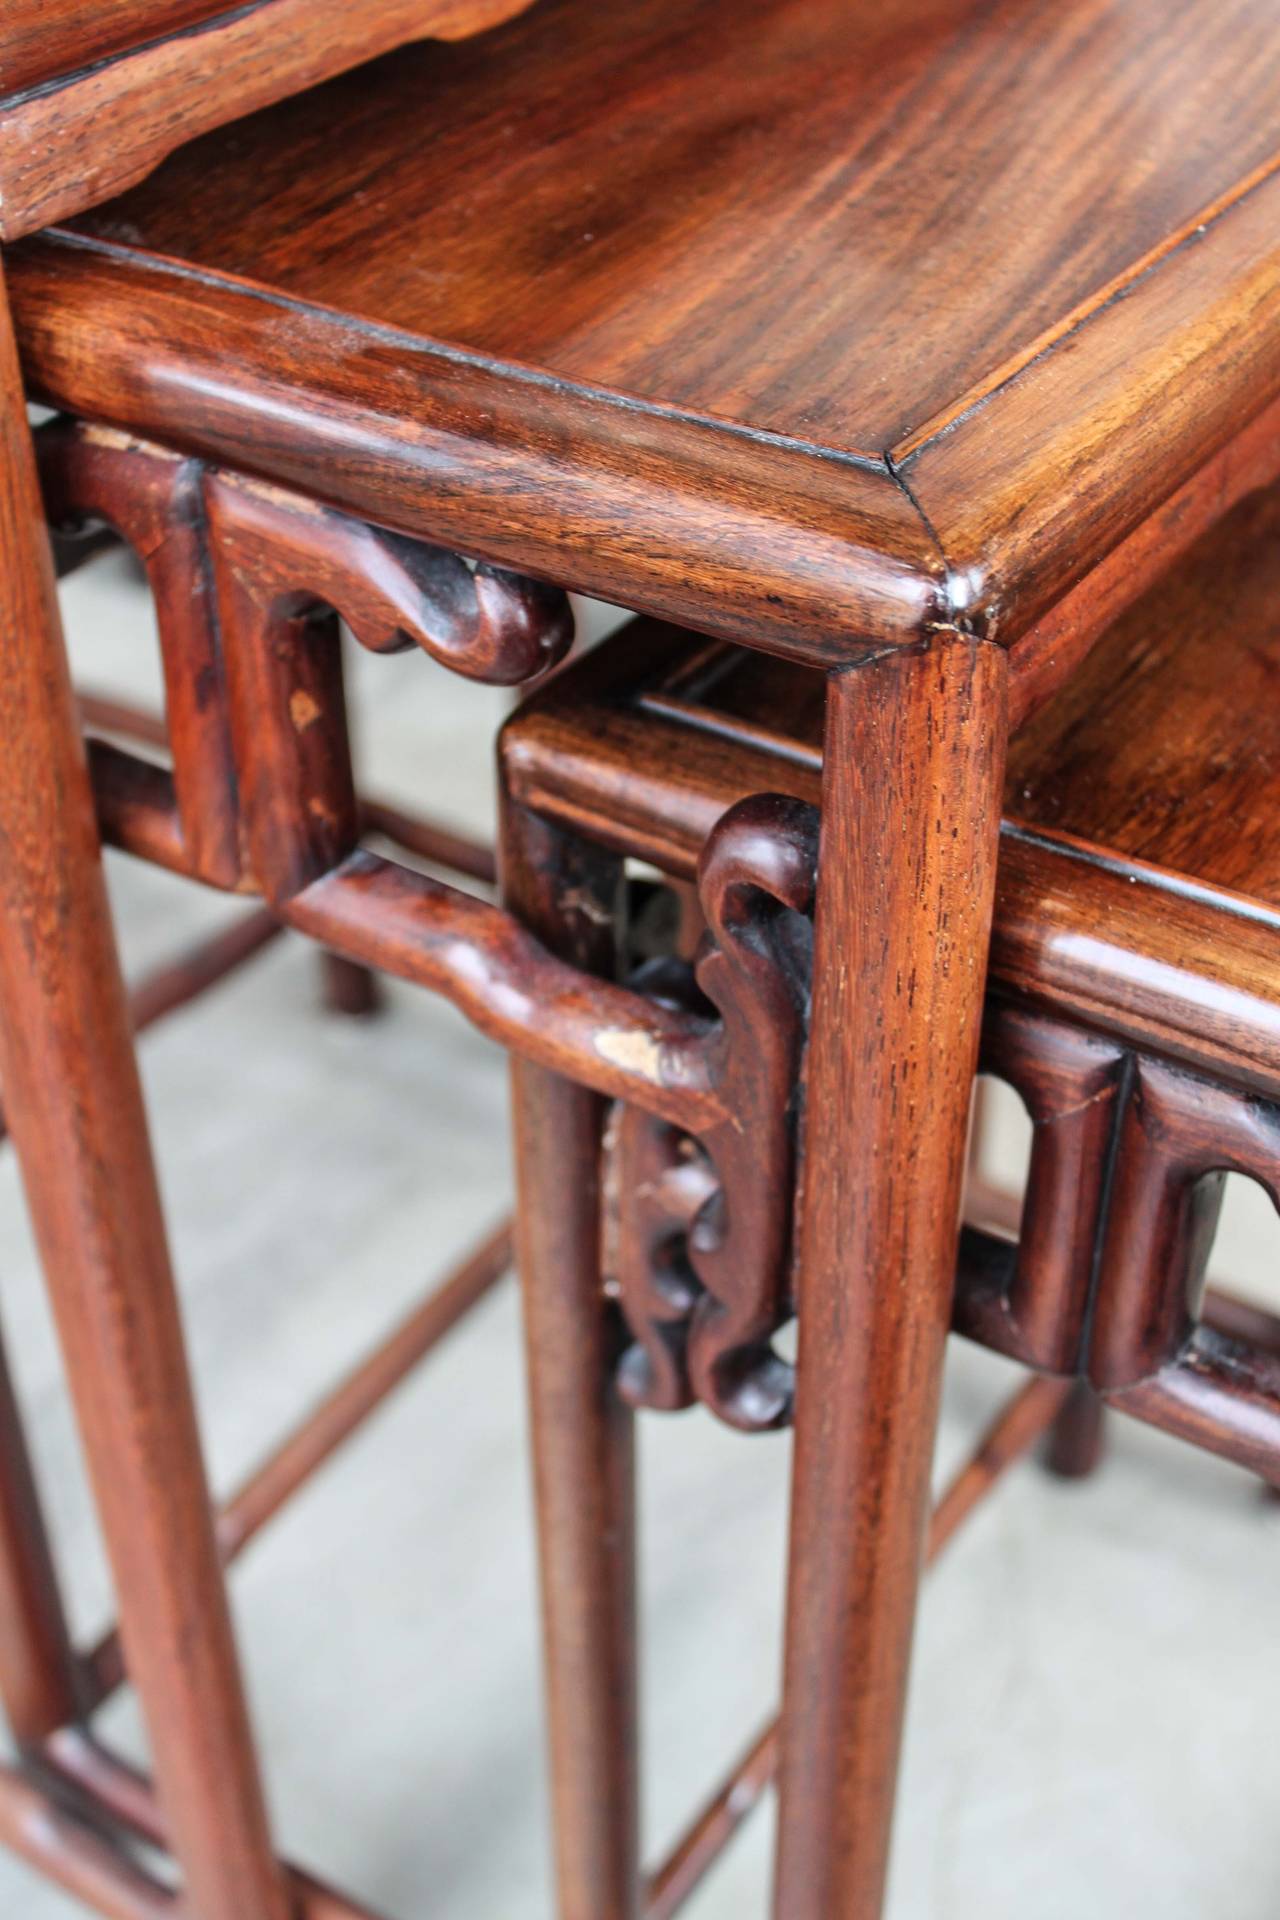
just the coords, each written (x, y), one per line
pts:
(700, 1252)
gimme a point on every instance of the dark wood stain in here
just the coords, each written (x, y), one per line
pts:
(46, 38)
(832, 221)
(1165, 744)
(93, 96)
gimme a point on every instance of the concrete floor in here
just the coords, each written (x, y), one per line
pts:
(1095, 1698)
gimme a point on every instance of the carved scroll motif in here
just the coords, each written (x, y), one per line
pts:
(701, 1229)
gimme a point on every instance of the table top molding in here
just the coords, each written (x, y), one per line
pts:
(848, 327)
(88, 109)
(686, 517)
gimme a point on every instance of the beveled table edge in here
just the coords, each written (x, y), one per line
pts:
(802, 550)
(74, 139)
(808, 550)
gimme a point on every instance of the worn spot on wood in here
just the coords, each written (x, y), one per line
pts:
(303, 710)
(636, 1052)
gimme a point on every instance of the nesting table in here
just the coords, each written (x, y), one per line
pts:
(909, 341)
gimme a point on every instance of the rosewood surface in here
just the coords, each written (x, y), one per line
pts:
(795, 322)
(1134, 984)
(748, 309)
(893, 1045)
(74, 1106)
(94, 93)
(1140, 806)
(1133, 1004)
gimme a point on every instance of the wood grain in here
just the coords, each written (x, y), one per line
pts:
(44, 39)
(92, 97)
(74, 1105)
(1139, 879)
(906, 880)
(582, 1432)
(1031, 488)
(820, 346)
(646, 505)
(831, 222)
(40, 1684)
(1165, 744)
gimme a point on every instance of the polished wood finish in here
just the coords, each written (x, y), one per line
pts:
(582, 1432)
(1107, 850)
(1165, 746)
(71, 1854)
(805, 333)
(1132, 995)
(697, 329)
(43, 1685)
(1077, 1440)
(461, 454)
(44, 39)
(40, 1686)
(152, 499)
(74, 1107)
(93, 95)
(914, 753)
(427, 840)
(807, 277)
(700, 1275)
(104, 1788)
(1093, 963)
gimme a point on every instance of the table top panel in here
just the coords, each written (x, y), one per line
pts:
(94, 93)
(1140, 865)
(41, 39)
(1164, 746)
(830, 221)
(819, 324)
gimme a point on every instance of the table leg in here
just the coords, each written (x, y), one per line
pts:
(74, 1104)
(39, 1680)
(1078, 1435)
(583, 1447)
(914, 759)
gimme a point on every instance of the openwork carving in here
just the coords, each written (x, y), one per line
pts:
(247, 582)
(279, 558)
(700, 1253)
(1205, 1369)
(1108, 1279)
(1030, 1300)
(283, 569)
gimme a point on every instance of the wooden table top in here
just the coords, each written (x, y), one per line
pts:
(94, 93)
(1139, 882)
(916, 309)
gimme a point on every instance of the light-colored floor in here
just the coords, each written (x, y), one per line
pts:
(1096, 1695)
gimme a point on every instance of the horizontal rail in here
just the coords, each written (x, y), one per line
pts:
(1015, 1429)
(996, 1214)
(439, 846)
(332, 1421)
(76, 1857)
(138, 808)
(344, 1410)
(1221, 1396)
(395, 920)
(511, 988)
(110, 1790)
(105, 714)
(201, 967)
